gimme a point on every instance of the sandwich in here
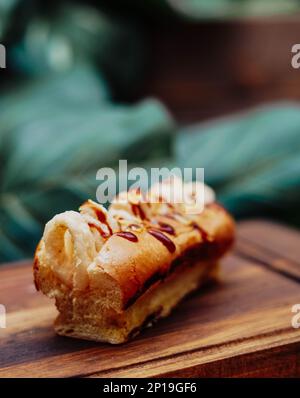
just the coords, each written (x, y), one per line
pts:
(113, 272)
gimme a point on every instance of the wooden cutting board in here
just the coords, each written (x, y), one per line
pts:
(238, 327)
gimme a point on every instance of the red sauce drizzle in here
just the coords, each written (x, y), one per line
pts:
(166, 228)
(102, 218)
(170, 216)
(100, 215)
(202, 232)
(170, 205)
(128, 235)
(163, 239)
(100, 230)
(160, 199)
(138, 211)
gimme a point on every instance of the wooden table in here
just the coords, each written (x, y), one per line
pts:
(238, 327)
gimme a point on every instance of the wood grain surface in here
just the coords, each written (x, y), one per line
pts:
(239, 327)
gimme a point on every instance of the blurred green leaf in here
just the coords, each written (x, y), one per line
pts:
(222, 9)
(198, 10)
(71, 33)
(7, 8)
(252, 160)
(53, 139)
